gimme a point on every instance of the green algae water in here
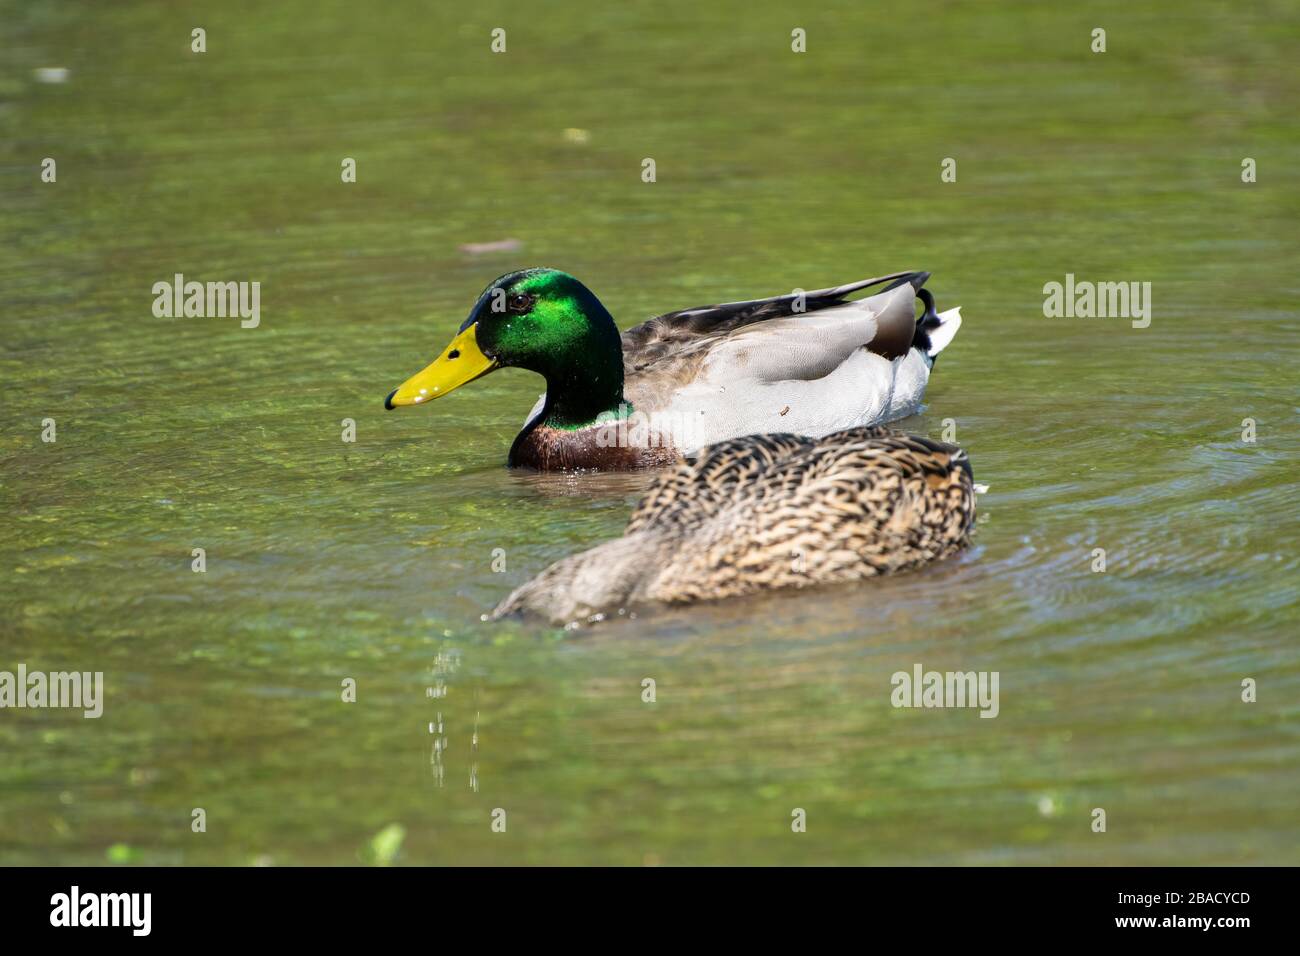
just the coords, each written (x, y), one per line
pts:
(373, 560)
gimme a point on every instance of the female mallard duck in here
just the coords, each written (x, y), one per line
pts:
(767, 512)
(808, 363)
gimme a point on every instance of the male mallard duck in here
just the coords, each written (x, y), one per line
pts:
(766, 512)
(809, 363)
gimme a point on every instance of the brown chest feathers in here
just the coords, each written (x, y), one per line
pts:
(598, 448)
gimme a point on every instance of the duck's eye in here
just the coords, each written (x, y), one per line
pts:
(520, 303)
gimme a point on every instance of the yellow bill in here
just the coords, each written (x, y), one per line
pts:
(461, 362)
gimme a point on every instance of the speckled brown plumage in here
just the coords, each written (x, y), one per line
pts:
(767, 512)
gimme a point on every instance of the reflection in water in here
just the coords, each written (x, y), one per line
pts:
(473, 756)
(444, 665)
(611, 485)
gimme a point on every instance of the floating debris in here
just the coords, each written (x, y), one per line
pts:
(384, 845)
(51, 74)
(485, 248)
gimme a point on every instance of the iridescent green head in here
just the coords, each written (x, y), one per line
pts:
(543, 320)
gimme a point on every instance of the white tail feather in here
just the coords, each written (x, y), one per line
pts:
(940, 336)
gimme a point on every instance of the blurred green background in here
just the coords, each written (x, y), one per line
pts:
(776, 170)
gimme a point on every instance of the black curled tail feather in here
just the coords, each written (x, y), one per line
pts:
(928, 321)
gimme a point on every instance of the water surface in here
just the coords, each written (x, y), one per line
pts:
(374, 560)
